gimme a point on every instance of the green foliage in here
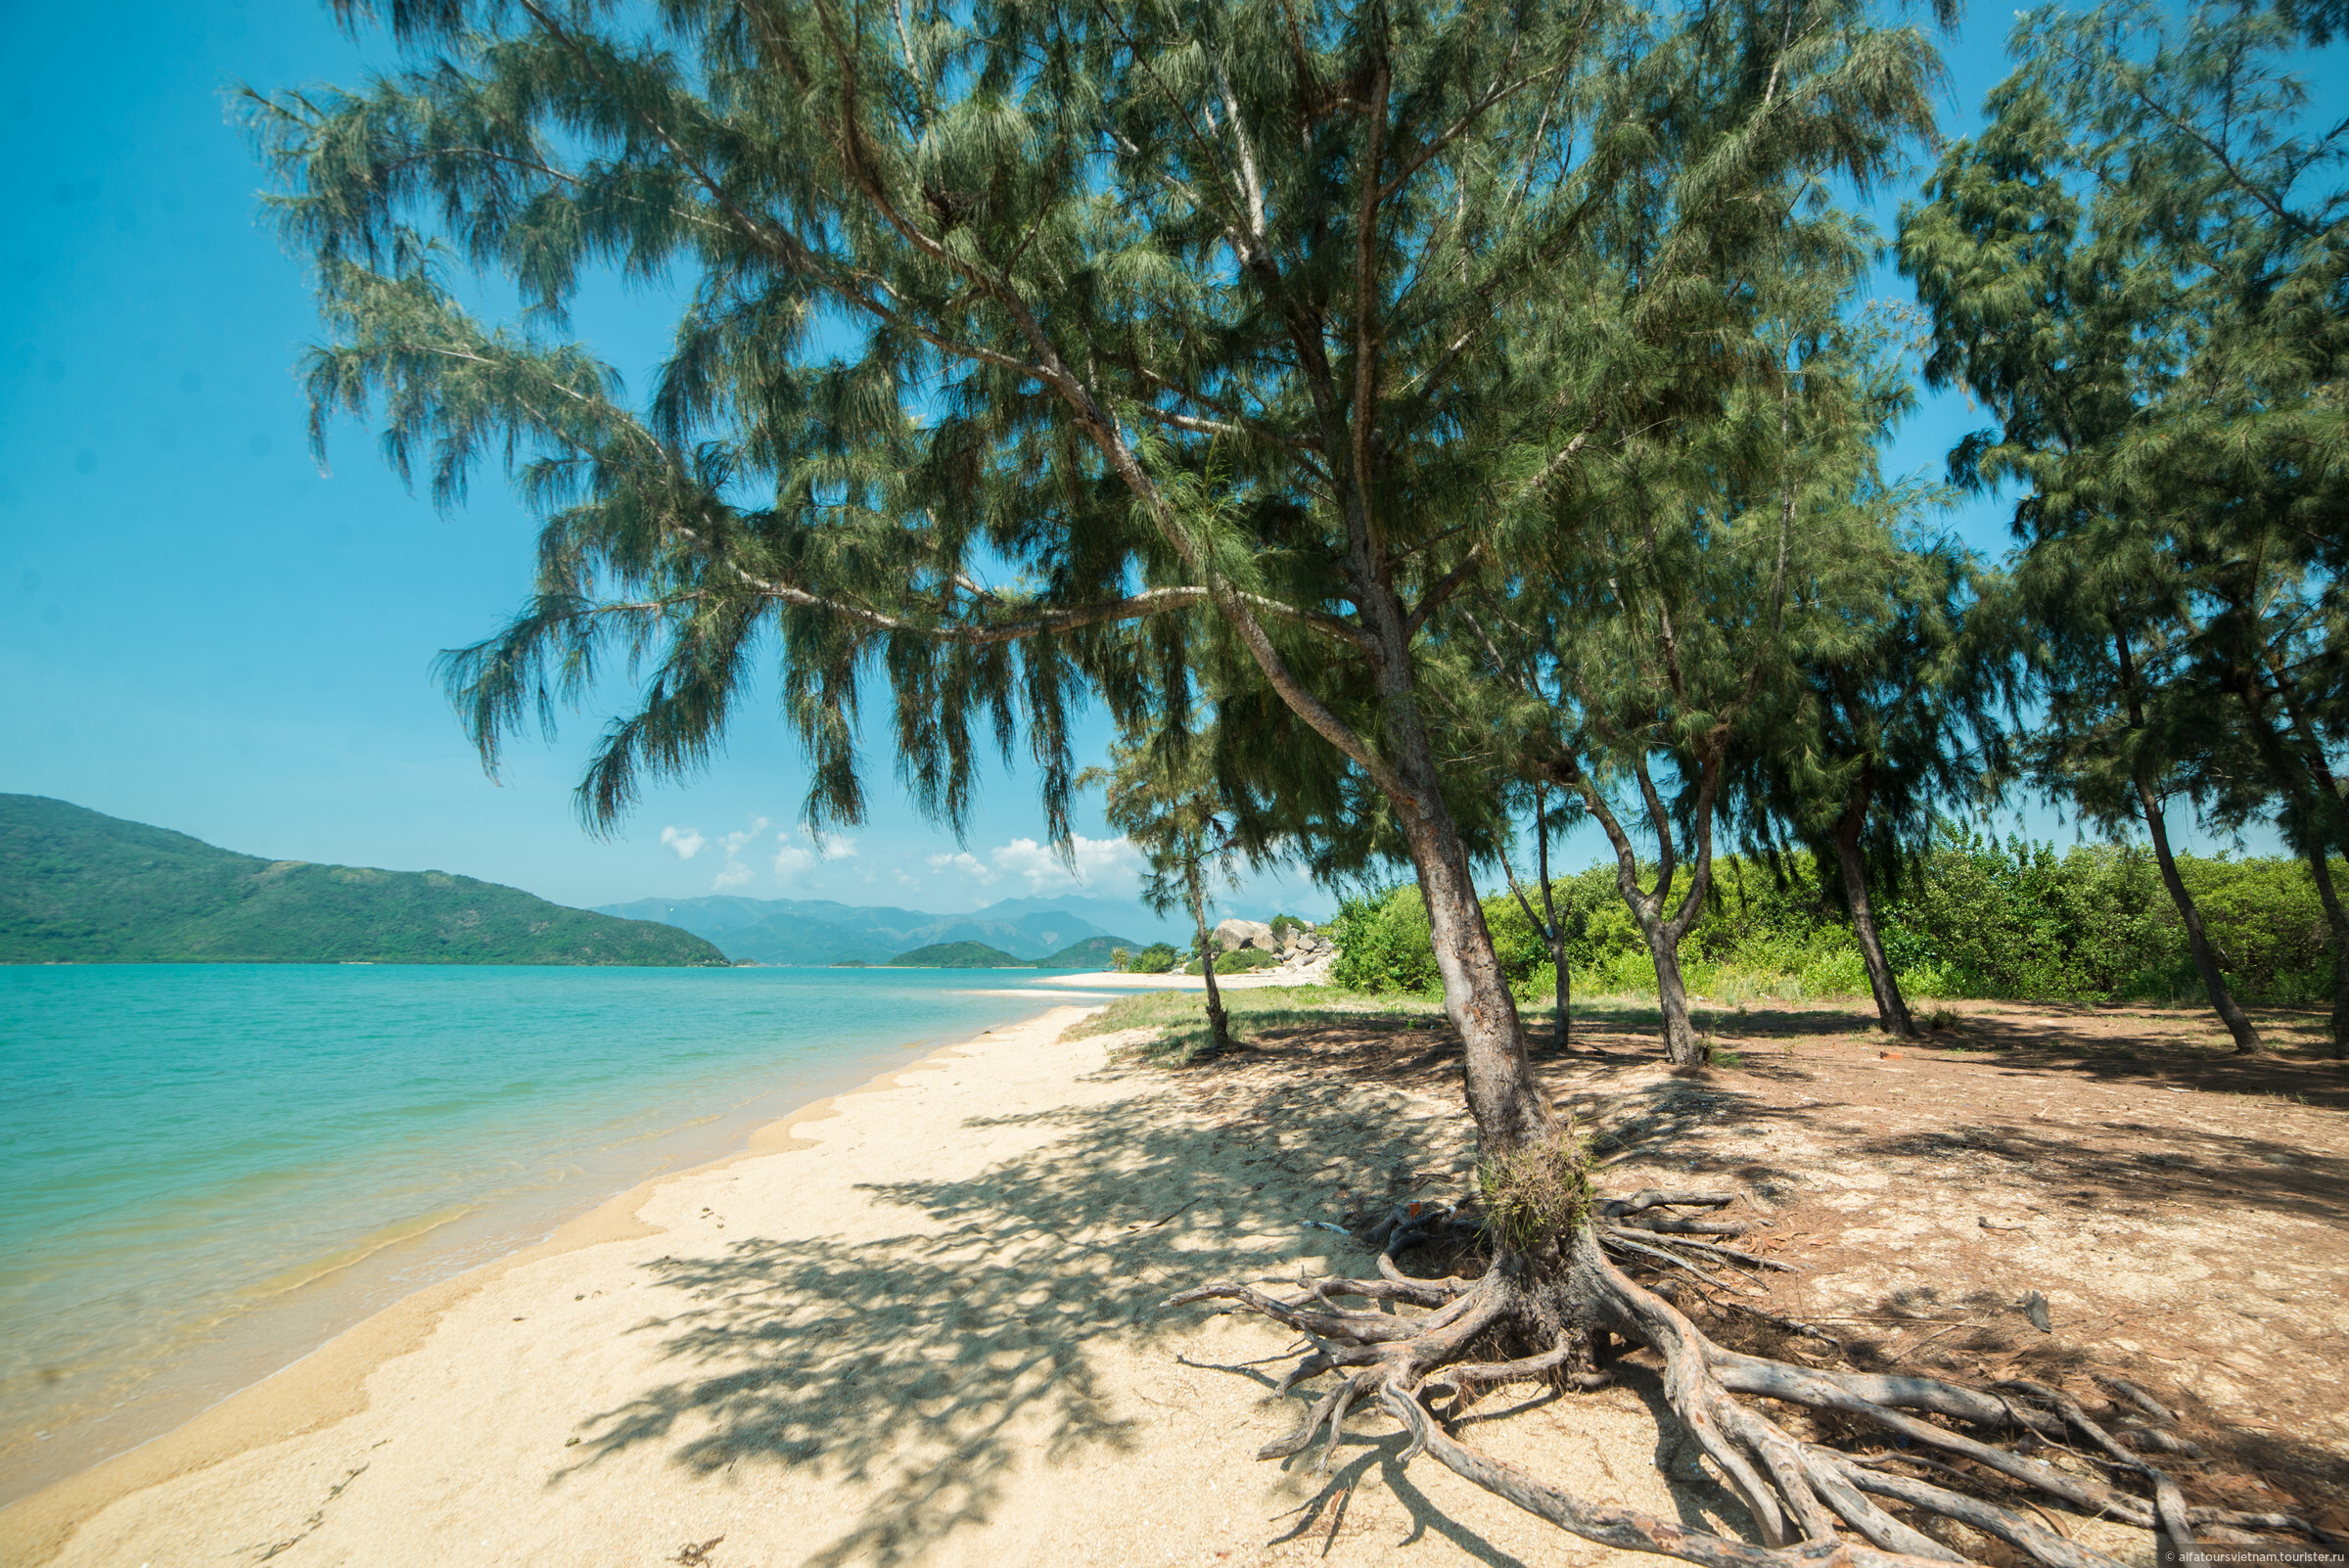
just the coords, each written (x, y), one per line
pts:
(961, 956)
(1156, 959)
(1384, 944)
(77, 887)
(1972, 917)
(2136, 270)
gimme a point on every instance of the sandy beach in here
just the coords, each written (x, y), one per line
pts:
(918, 1323)
(1114, 980)
(914, 1323)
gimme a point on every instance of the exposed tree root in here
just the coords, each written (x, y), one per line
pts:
(1549, 1316)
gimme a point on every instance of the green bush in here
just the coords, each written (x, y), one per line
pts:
(1384, 944)
(1971, 917)
(1837, 973)
(1156, 959)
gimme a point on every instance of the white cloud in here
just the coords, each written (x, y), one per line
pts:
(792, 859)
(1102, 865)
(733, 874)
(735, 840)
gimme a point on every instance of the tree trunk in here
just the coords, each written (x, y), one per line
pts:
(2320, 870)
(1662, 932)
(1509, 1108)
(2246, 1038)
(1550, 932)
(1219, 1026)
(1565, 987)
(1892, 1011)
(2207, 964)
(2319, 856)
(1682, 1045)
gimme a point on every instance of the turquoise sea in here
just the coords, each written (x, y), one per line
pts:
(212, 1169)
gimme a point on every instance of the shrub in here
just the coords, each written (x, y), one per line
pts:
(1972, 916)
(1156, 959)
(1383, 942)
(1532, 1194)
(1837, 973)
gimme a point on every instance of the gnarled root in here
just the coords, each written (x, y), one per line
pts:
(1546, 1313)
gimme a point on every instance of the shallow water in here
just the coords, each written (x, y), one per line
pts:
(211, 1169)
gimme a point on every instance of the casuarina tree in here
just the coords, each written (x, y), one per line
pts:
(1661, 603)
(2199, 145)
(1027, 352)
(1892, 721)
(1162, 795)
(2070, 327)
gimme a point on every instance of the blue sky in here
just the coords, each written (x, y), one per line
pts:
(201, 630)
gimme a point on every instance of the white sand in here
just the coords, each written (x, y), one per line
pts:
(1110, 980)
(921, 1331)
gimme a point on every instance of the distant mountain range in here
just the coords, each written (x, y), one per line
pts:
(80, 886)
(814, 932)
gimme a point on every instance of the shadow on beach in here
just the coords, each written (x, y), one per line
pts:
(929, 1364)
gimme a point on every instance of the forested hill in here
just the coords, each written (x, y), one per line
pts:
(80, 887)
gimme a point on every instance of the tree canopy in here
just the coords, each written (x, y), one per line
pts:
(1390, 412)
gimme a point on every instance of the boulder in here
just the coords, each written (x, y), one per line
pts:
(1233, 934)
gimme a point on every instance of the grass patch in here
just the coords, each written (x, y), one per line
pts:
(1181, 1016)
(1533, 1194)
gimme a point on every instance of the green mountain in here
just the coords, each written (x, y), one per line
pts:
(958, 956)
(79, 887)
(1090, 953)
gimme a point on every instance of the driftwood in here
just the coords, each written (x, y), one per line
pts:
(1552, 1312)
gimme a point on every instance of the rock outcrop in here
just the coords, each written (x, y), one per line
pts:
(1233, 934)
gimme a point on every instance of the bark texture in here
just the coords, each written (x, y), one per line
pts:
(1892, 1009)
(2206, 963)
(1218, 1023)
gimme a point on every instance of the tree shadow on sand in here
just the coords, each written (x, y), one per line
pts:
(936, 1364)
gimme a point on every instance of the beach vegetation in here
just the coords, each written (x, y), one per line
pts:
(1381, 411)
(1969, 916)
(1237, 962)
(1174, 1022)
(1156, 959)
(1162, 794)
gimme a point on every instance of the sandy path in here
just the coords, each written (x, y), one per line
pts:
(915, 1329)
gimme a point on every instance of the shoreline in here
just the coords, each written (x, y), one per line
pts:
(326, 1385)
(1112, 979)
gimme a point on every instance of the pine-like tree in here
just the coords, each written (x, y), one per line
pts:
(1161, 794)
(1894, 720)
(1038, 351)
(2067, 313)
